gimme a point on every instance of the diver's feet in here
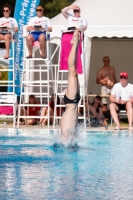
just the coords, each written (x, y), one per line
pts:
(75, 38)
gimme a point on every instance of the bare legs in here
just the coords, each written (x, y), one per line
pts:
(30, 39)
(43, 121)
(73, 84)
(69, 119)
(114, 109)
(6, 38)
(42, 44)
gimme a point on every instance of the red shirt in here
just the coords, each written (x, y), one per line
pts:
(33, 110)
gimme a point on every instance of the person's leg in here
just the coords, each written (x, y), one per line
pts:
(104, 100)
(129, 113)
(31, 121)
(42, 41)
(45, 120)
(113, 109)
(29, 40)
(1, 37)
(43, 113)
(6, 38)
(73, 85)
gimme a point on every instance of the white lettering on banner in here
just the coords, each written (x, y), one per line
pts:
(21, 23)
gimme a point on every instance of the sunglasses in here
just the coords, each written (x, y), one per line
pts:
(106, 61)
(121, 77)
(5, 10)
(75, 10)
(40, 10)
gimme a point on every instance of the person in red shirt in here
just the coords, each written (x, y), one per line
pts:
(30, 111)
(44, 112)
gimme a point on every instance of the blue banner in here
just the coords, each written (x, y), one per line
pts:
(24, 10)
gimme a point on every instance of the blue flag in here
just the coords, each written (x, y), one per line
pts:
(24, 10)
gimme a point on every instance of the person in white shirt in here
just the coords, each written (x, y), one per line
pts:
(7, 23)
(121, 99)
(75, 21)
(38, 26)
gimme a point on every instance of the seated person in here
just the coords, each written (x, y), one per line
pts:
(43, 121)
(75, 21)
(7, 23)
(38, 26)
(95, 109)
(121, 99)
(30, 111)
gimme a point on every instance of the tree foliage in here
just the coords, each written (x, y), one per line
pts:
(52, 7)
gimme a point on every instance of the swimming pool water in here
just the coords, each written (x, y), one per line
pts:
(31, 168)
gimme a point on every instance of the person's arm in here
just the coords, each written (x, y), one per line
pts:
(30, 27)
(64, 10)
(100, 113)
(49, 26)
(93, 110)
(99, 80)
(115, 80)
(131, 100)
(15, 25)
(114, 100)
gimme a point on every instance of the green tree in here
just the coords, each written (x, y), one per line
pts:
(11, 3)
(53, 7)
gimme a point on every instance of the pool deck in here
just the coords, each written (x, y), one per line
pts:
(6, 126)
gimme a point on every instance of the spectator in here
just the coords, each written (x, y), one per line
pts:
(74, 21)
(38, 26)
(43, 121)
(95, 110)
(106, 77)
(30, 111)
(121, 99)
(6, 24)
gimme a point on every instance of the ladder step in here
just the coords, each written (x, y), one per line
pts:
(36, 93)
(31, 59)
(6, 59)
(37, 85)
(35, 70)
(37, 117)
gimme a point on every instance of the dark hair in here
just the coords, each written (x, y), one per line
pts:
(57, 102)
(99, 105)
(32, 97)
(97, 97)
(8, 6)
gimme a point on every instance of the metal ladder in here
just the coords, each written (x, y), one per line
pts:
(9, 98)
(40, 87)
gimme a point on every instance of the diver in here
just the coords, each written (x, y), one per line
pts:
(69, 121)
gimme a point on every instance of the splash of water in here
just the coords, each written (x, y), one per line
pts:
(72, 140)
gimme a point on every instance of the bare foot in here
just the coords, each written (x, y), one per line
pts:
(75, 38)
(6, 56)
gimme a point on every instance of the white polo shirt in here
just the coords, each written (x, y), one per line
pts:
(73, 21)
(39, 21)
(7, 22)
(125, 93)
